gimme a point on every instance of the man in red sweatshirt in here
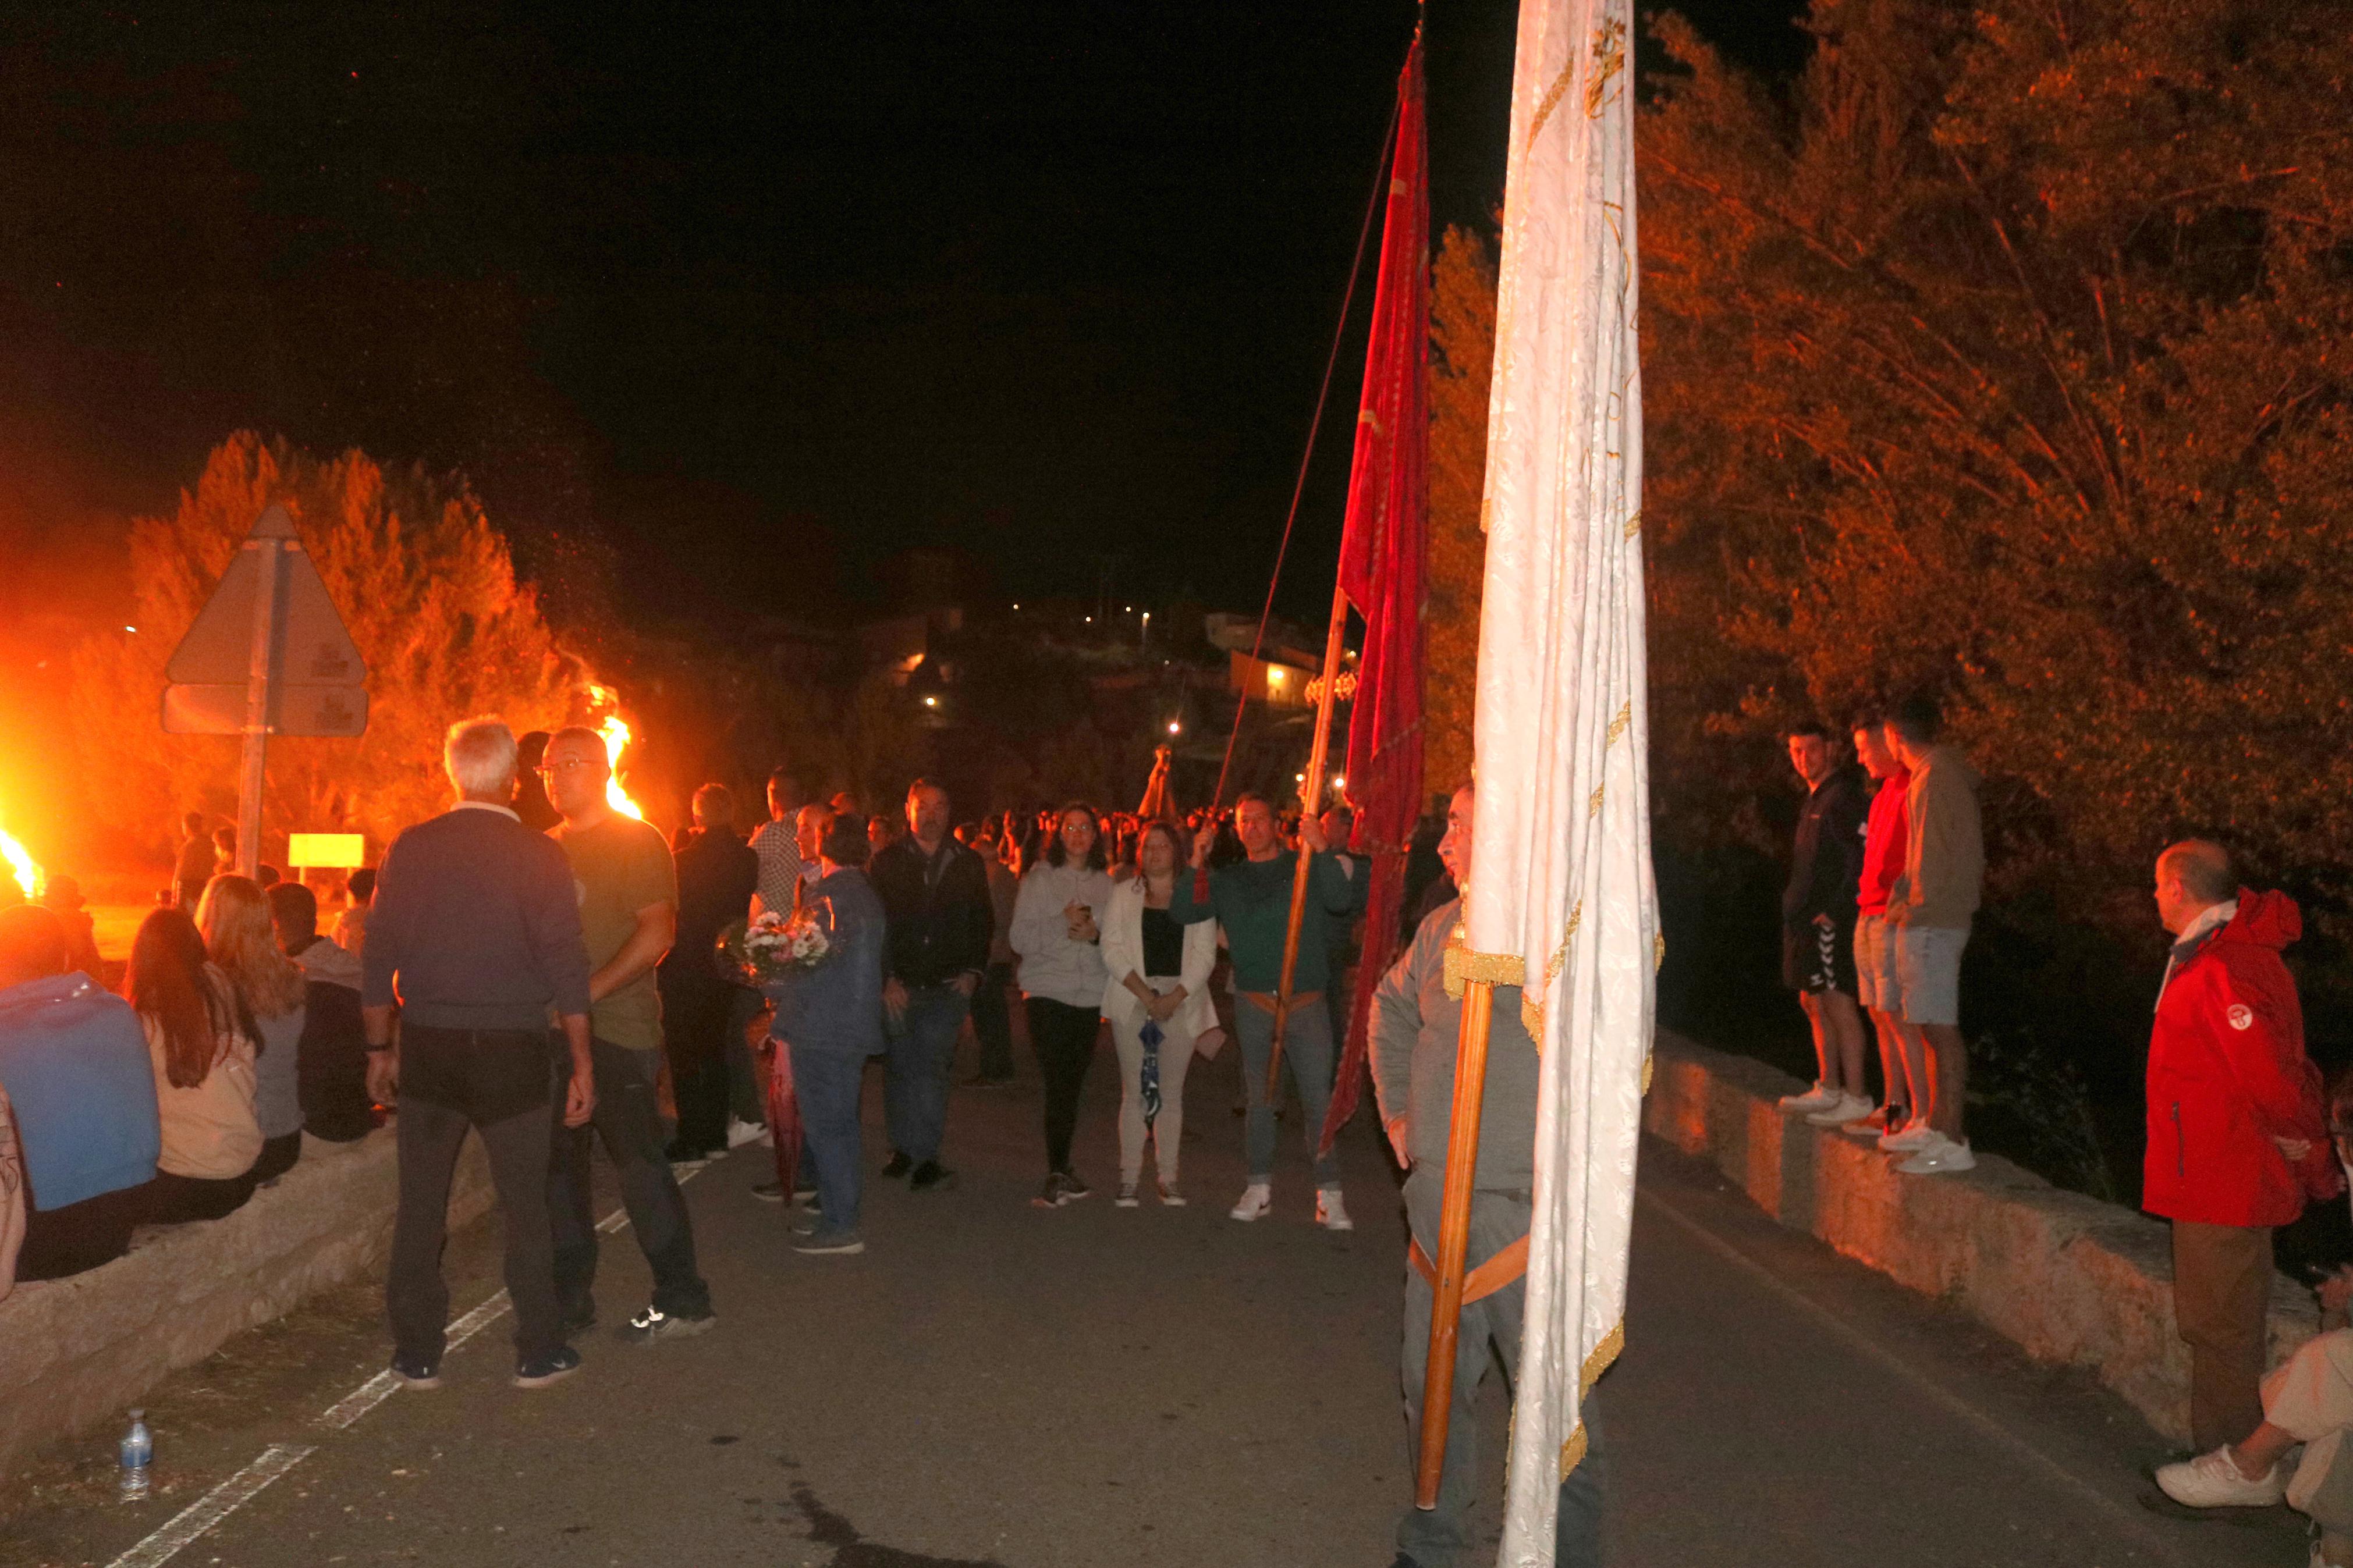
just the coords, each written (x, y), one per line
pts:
(2236, 1132)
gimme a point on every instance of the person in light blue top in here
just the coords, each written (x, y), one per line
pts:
(73, 1060)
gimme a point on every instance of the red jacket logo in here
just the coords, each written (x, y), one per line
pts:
(2241, 1015)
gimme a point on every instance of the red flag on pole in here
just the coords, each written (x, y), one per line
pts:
(1381, 557)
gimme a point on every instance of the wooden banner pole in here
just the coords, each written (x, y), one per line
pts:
(1311, 791)
(1454, 1236)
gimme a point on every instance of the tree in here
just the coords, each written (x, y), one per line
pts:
(427, 588)
(1462, 354)
(2008, 361)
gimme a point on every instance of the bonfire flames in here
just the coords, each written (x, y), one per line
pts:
(18, 860)
(615, 731)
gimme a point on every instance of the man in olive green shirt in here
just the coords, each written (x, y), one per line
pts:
(629, 913)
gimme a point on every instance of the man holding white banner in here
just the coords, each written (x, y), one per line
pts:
(1560, 900)
(1415, 1028)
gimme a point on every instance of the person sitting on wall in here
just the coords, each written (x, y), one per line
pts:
(331, 1056)
(73, 1062)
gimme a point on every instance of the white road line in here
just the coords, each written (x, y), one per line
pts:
(2133, 1523)
(192, 1522)
(212, 1507)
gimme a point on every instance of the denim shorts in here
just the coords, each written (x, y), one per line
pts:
(1928, 967)
(1876, 986)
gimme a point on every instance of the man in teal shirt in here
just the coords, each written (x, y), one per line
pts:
(1252, 899)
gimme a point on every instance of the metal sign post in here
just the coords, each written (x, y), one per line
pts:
(267, 654)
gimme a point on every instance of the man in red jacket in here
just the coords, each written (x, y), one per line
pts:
(2235, 1111)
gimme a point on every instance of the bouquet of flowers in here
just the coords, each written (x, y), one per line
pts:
(775, 945)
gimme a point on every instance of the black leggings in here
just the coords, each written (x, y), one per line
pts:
(1064, 1039)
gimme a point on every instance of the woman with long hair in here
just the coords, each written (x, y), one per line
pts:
(202, 1050)
(1055, 931)
(1158, 1003)
(242, 941)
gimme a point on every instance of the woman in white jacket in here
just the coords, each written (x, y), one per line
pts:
(1057, 931)
(1159, 974)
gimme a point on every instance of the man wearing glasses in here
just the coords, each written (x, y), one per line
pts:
(627, 889)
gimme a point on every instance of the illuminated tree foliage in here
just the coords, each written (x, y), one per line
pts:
(2006, 358)
(1462, 353)
(427, 588)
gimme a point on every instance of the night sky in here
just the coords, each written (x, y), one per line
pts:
(760, 301)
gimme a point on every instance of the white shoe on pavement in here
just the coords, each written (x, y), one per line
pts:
(740, 1132)
(1848, 1108)
(1329, 1212)
(1814, 1099)
(2215, 1481)
(1915, 1136)
(1942, 1158)
(1257, 1198)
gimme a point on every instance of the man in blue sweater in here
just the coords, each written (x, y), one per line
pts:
(476, 926)
(1252, 898)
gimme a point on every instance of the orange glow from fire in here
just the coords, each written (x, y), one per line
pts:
(614, 731)
(20, 861)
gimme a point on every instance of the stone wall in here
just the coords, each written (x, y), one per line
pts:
(2073, 1282)
(75, 1352)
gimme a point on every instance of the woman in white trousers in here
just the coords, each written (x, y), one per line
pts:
(1159, 974)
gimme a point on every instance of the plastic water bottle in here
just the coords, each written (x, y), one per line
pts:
(136, 1451)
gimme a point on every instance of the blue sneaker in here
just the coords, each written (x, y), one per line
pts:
(831, 1241)
(540, 1371)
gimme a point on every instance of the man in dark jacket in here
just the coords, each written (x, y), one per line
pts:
(717, 873)
(2237, 1137)
(934, 892)
(476, 929)
(1818, 910)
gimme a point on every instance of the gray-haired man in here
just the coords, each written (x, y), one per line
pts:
(475, 928)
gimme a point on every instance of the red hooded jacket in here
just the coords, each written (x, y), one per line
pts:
(2227, 1074)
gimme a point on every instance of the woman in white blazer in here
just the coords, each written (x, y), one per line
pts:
(1159, 974)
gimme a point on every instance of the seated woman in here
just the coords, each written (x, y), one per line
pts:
(242, 942)
(201, 1045)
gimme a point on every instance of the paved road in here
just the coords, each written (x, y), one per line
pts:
(993, 1384)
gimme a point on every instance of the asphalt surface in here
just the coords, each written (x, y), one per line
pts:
(991, 1383)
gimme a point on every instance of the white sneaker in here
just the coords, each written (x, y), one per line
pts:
(1814, 1099)
(1257, 1198)
(1942, 1158)
(2214, 1480)
(1850, 1108)
(740, 1132)
(1915, 1136)
(1331, 1213)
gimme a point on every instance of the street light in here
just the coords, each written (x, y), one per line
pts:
(1175, 728)
(931, 701)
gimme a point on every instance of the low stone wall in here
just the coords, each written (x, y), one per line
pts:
(77, 1352)
(2073, 1282)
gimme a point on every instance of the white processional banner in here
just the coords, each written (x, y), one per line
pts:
(1561, 899)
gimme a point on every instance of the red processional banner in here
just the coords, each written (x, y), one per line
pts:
(1381, 559)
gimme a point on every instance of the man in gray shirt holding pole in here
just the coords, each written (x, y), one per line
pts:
(476, 929)
(1416, 1029)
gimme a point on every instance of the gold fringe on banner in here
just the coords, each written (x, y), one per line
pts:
(1649, 1061)
(1464, 966)
(1613, 1342)
(1572, 1451)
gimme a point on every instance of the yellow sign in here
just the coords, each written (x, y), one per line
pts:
(335, 851)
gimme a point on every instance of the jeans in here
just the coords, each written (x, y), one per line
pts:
(628, 1123)
(919, 1050)
(415, 1296)
(991, 1024)
(1064, 1039)
(1489, 1330)
(1307, 1052)
(828, 1083)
